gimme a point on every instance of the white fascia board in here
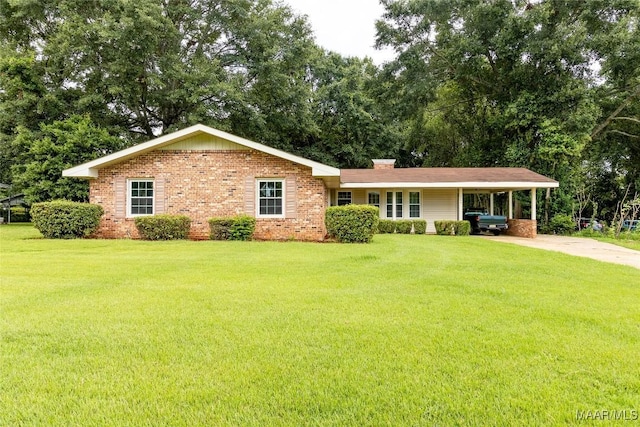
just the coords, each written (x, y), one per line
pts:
(90, 169)
(487, 185)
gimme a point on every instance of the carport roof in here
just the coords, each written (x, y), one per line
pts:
(466, 178)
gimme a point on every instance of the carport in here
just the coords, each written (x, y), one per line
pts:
(438, 193)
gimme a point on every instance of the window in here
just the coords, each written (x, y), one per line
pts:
(414, 204)
(270, 197)
(374, 199)
(389, 204)
(344, 198)
(398, 204)
(140, 197)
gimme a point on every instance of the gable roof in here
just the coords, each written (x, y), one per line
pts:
(90, 169)
(470, 178)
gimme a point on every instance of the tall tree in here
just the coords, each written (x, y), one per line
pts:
(503, 82)
(353, 127)
(56, 147)
(152, 65)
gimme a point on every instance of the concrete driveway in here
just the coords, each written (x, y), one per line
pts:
(578, 246)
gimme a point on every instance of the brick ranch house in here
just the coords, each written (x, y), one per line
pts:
(203, 172)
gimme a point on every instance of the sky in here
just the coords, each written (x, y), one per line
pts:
(345, 26)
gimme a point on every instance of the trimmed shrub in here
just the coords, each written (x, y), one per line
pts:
(463, 228)
(242, 227)
(386, 226)
(419, 226)
(220, 228)
(444, 227)
(352, 223)
(163, 227)
(61, 219)
(562, 224)
(449, 228)
(403, 226)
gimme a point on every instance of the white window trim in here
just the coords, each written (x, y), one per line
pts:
(153, 199)
(284, 202)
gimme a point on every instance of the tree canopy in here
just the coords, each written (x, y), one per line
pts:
(549, 85)
(517, 83)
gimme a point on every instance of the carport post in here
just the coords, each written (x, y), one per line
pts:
(460, 204)
(510, 204)
(490, 203)
(533, 204)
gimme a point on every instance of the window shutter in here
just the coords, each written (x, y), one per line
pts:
(159, 197)
(120, 197)
(291, 191)
(250, 196)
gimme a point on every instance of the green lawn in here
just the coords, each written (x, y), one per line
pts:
(625, 240)
(409, 330)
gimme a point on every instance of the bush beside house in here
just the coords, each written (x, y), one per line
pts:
(403, 226)
(419, 226)
(452, 228)
(352, 223)
(386, 226)
(240, 227)
(61, 219)
(163, 227)
(220, 228)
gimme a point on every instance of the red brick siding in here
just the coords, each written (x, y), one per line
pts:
(522, 228)
(205, 184)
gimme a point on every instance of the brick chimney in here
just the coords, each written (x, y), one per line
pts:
(383, 163)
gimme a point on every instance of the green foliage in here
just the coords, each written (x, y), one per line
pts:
(512, 84)
(220, 228)
(56, 147)
(352, 223)
(389, 226)
(419, 226)
(403, 226)
(62, 219)
(452, 228)
(562, 224)
(242, 228)
(163, 227)
(386, 226)
(463, 228)
(586, 232)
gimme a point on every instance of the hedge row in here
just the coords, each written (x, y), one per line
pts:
(352, 223)
(170, 227)
(453, 228)
(61, 219)
(402, 226)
